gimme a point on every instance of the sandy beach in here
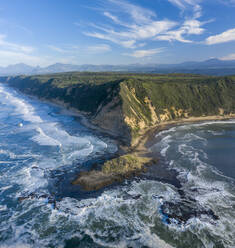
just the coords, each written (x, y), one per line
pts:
(142, 158)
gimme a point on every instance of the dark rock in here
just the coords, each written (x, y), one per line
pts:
(182, 211)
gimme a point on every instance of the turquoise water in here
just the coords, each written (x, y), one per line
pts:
(39, 142)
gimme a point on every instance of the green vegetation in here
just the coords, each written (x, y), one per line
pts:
(113, 170)
(80, 91)
(127, 104)
(125, 164)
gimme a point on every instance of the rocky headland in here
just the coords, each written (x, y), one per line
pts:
(131, 108)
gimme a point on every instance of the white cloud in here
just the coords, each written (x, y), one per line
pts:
(229, 57)
(12, 53)
(138, 14)
(11, 57)
(134, 33)
(149, 30)
(128, 43)
(135, 25)
(13, 46)
(145, 53)
(189, 27)
(112, 17)
(175, 35)
(226, 36)
(179, 3)
(193, 5)
(99, 48)
(57, 49)
(73, 49)
(193, 27)
(115, 19)
(227, 2)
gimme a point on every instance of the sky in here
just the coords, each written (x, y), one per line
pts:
(43, 32)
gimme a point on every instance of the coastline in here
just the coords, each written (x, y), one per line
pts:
(144, 141)
(80, 116)
(98, 179)
(93, 179)
(85, 120)
(154, 173)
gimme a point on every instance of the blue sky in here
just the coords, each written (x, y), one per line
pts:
(43, 32)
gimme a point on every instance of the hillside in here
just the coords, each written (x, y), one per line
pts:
(126, 105)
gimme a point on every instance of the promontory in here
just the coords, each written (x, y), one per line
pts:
(128, 106)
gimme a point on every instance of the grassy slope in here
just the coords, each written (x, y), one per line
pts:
(83, 91)
(126, 104)
(176, 98)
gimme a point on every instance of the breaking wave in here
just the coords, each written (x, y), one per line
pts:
(38, 143)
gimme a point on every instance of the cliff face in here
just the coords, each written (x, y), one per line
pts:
(146, 104)
(95, 95)
(127, 104)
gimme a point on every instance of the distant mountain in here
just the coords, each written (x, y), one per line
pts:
(58, 67)
(16, 69)
(210, 67)
(209, 64)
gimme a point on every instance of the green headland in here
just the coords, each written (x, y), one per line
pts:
(129, 106)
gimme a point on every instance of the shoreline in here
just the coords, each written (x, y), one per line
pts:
(79, 116)
(94, 180)
(140, 148)
(86, 122)
(137, 153)
(144, 140)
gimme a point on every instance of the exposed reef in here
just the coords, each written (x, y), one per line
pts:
(113, 170)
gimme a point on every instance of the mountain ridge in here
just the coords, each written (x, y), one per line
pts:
(209, 67)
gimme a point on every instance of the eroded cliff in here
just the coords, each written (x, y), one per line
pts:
(126, 105)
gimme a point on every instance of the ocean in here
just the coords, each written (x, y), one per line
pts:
(41, 146)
